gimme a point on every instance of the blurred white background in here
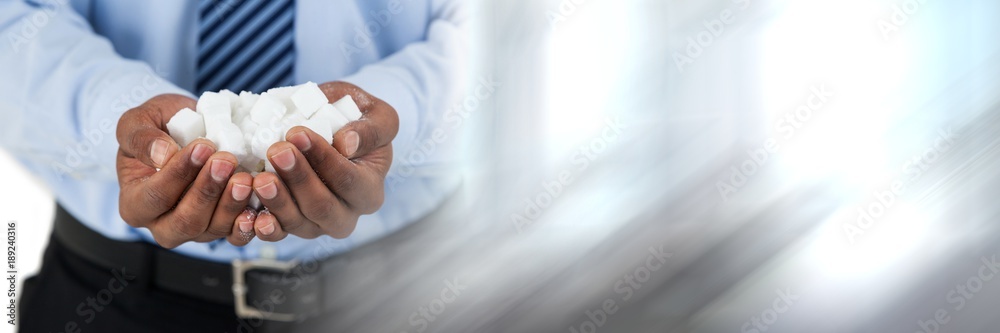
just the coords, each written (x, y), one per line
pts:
(27, 202)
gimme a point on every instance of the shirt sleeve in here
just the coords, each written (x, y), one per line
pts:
(422, 80)
(63, 89)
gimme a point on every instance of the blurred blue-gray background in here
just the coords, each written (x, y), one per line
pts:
(707, 166)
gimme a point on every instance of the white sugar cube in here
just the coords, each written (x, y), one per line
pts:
(243, 112)
(284, 94)
(255, 202)
(267, 109)
(294, 118)
(248, 140)
(234, 99)
(268, 166)
(290, 120)
(214, 103)
(215, 123)
(330, 114)
(185, 126)
(248, 98)
(261, 141)
(348, 108)
(322, 127)
(273, 132)
(229, 138)
(247, 125)
(309, 98)
(246, 102)
(215, 117)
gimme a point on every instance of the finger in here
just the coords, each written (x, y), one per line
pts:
(141, 131)
(315, 201)
(267, 227)
(377, 127)
(277, 199)
(242, 232)
(193, 213)
(232, 203)
(147, 198)
(357, 183)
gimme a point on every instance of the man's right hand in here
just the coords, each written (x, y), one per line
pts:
(194, 196)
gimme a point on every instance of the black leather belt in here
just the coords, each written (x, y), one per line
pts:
(268, 289)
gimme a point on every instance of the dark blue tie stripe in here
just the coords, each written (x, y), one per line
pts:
(220, 21)
(217, 13)
(211, 12)
(251, 54)
(239, 18)
(244, 41)
(245, 45)
(252, 72)
(284, 76)
(205, 6)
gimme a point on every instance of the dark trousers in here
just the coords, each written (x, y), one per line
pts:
(365, 290)
(70, 294)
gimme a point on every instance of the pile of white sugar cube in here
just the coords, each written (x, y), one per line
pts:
(247, 124)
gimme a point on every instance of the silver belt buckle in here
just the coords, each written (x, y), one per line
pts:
(244, 310)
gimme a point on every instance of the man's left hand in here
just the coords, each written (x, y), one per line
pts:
(322, 189)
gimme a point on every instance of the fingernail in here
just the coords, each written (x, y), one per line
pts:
(267, 229)
(268, 191)
(241, 192)
(301, 141)
(201, 154)
(159, 152)
(284, 159)
(246, 226)
(351, 139)
(221, 170)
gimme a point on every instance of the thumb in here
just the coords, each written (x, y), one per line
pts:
(141, 132)
(377, 128)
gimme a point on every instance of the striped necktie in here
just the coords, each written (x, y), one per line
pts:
(245, 45)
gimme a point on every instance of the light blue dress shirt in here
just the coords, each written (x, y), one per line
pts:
(70, 68)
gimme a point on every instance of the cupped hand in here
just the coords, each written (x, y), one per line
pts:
(179, 194)
(322, 189)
